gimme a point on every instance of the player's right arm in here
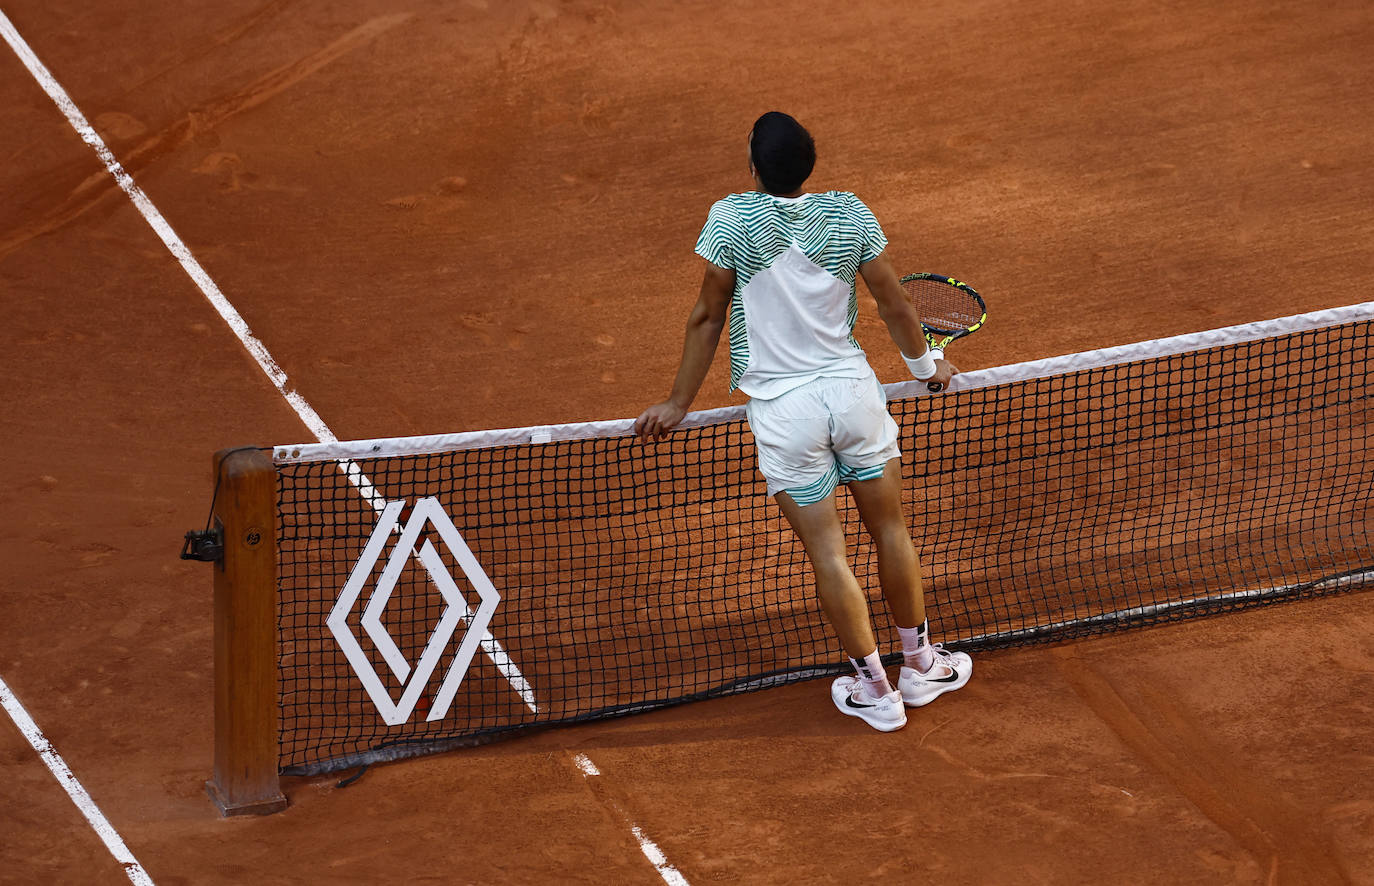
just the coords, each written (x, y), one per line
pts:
(899, 315)
(704, 326)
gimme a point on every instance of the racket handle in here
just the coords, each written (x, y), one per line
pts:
(935, 387)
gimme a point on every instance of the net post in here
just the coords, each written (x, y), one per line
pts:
(245, 778)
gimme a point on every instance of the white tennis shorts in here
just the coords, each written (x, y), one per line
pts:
(824, 433)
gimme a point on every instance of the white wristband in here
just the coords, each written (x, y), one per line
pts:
(922, 367)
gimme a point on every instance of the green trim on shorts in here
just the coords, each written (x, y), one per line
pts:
(838, 474)
(814, 492)
(851, 475)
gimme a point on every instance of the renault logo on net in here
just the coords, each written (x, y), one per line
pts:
(456, 614)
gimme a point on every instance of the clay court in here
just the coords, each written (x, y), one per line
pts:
(443, 217)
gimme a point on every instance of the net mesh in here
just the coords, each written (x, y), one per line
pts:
(633, 576)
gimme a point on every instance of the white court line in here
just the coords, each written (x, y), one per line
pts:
(276, 375)
(671, 875)
(586, 765)
(21, 717)
(164, 231)
(64, 777)
(490, 646)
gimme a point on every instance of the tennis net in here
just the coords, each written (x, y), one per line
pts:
(438, 591)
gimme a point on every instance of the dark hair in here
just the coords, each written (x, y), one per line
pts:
(782, 151)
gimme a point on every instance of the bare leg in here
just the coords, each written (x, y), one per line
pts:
(899, 570)
(822, 534)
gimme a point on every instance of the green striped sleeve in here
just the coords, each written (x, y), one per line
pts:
(871, 233)
(723, 230)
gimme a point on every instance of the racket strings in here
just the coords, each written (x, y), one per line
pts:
(943, 307)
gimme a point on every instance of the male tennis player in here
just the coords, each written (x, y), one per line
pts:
(782, 265)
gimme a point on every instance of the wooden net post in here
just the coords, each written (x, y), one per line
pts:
(246, 755)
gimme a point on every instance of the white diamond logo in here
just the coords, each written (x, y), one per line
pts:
(456, 614)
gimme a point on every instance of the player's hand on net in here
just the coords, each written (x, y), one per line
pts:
(658, 420)
(944, 371)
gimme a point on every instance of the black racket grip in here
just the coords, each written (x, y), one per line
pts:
(936, 387)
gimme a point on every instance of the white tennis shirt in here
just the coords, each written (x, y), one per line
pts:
(796, 262)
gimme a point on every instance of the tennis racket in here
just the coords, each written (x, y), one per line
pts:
(949, 310)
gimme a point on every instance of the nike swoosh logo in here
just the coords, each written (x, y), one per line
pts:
(849, 701)
(953, 677)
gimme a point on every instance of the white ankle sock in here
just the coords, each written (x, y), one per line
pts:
(872, 675)
(917, 652)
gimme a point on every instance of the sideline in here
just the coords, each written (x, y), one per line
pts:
(164, 231)
(274, 373)
(59, 768)
(670, 874)
(64, 777)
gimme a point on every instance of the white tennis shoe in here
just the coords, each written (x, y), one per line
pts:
(884, 714)
(950, 671)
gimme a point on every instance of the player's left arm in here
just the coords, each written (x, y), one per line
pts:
(704, 326)
(898, 314)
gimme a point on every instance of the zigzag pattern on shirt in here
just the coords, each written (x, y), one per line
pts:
(748, 232)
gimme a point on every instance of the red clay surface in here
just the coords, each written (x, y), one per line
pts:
(449, 216)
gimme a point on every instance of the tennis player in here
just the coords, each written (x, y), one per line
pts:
(782, 266)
